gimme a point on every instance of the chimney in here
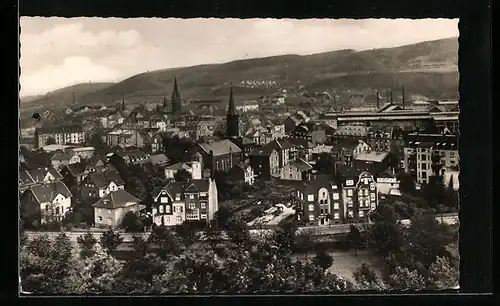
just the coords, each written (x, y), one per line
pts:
(378, 101)
(403, 95)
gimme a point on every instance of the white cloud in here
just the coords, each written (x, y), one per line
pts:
(72, 71)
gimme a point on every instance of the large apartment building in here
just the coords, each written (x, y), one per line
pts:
(181, 201)
(61, 135)
(422, 151)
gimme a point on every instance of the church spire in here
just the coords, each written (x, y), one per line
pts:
(232, 108)
(176, 99)
(175, 93)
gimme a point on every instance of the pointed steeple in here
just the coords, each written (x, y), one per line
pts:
(123, 103)
(232, 107)
(175, 93)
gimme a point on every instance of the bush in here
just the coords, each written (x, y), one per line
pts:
(323, 259)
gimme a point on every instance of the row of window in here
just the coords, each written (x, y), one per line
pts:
(311, 206)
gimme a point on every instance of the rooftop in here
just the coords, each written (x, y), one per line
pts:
(372, 156)
(220, 147)
(116, 199)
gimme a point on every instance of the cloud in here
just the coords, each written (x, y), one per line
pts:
(72, 71)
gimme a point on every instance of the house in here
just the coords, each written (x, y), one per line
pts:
(372, 161)
(181, 201)
(159, 160)
(126, 137)
(46, 202)
(28, 178)
(303, 147)
(205, 128)
(156, 142)
(347, 149)
(291, 122)
(134, 156)
(110, 210)
(351, 131)
(321, 202)
(61, 159)
(359, 193)
(171, 170)
(99, 184)
(287, 151)
(83, 152)
(321, 149)
(220, 155)
(265, 162)
(247, 106)
(386, 182)
(298, 170)
(59, 134)
(309, 131)
(422, 151)
(75, 172)
(242, 172)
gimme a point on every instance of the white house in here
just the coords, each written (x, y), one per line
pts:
(61, 159)
(84, 152)
(110, 210)
(387, 182)
(46, 201)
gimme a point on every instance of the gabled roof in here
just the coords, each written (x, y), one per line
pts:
(46, 192)
(62, 156)
(301, 165)
(313, 186)
(301, 143)
(351, 130)
(103, 179)
(76, 169)
(194, 186)
(220, 147)
(346, 143)
(178, 166)
(116, 199)
(159, 159)
(37, 175)
(372, 156)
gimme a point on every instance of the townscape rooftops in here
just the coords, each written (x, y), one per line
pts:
(76, 169)
(103, 179)
(37, 175)
(55, 129)
(47, 192)
(351, 130)
(322, 149)
(116, 199)
(178, 166)
(159, 159)
(301, 143)
(301, 165)
(62, 156)
(372, 156)
(220, 147)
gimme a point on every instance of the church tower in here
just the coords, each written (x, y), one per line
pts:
(176, 100)
(232, 118)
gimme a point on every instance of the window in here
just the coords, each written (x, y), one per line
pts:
(349, 204)
(160, 209)
(349, 192)
(361, 214)
(310, 197)
(366, 192)
(167, 209)
(203, 205)
(424, 157)
(350, 214)
(178, 208)
(178, 197)
(335, 205)
(191, 196)
(100, 218)
(178, 218)
(424, 166)
(311, 218)
(372, 186)
(372, 196)
(349, 183)
(203, 216)
(163, 200)
(424, 175)
(360, 193)
(311, 207)
(366, 181)
(335, 196)
(57, 210)
(203, 194)
(336, 216)
(192, 205)
(452, 154)
(167, 219)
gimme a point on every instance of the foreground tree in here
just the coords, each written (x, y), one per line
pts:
(110, 240)
(141, 245)
(237, 231)
(323, 259)
(355, 239)
(404, 279)
(132, 223)
(87, 244)
(166, 241)
(444, 274)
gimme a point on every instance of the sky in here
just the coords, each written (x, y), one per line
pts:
(60, 52)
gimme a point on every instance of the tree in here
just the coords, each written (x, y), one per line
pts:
(132, 223)
(285, 236)
(444, 274)
(406, 183)
(237, 230)
(182, 176)
(86, 243)
(355, 239)
(110, 240)
(306, 240)
(166, 241)
(323, 259)
(50, 141)
(222, 216)
(141, 245)
(451, 195)
(213, 234)
(364, 274)
(404, 279)
(187, 231)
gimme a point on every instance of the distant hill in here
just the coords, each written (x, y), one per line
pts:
(427, 69)
(60, 98)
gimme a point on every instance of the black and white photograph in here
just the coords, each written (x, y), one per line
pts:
(225, 156)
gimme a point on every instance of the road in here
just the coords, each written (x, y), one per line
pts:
(337, 229)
